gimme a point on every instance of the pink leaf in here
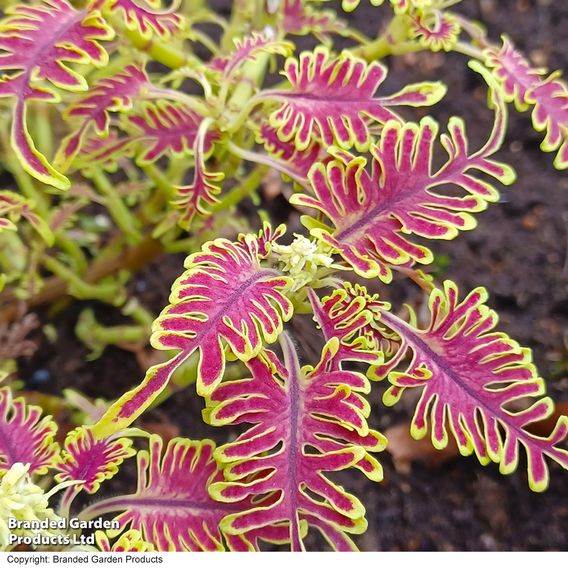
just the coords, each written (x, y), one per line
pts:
(194, 199)
(111, 94)
(144, 16)
(13, 206)
(91, 461)
(248, 47)
(297, 163)
(469, 376)
(436, 30)
(301, 18)
(224, 298)
(171, 507)
(160, 128)
(303, 424)
(374, 212)
(24, 436)
(349, 314)
(527, 86)
(332, 99)
(38, 42)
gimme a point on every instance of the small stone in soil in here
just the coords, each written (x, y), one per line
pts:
(39, 377)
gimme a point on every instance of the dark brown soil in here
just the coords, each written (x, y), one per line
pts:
(519, 252)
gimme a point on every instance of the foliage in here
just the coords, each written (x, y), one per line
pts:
(110, 162)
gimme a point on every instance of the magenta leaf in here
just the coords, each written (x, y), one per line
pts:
(349, 315)
(435, 30)
(25, 437)
(527, 86)
(195, 198)
(143, 16)
(171, 507)
(247, 48)
(301, 18)
(374, 212)
(292, 162)
(332, 99)
(403, 6)
(399, 6)
(471, 378)
(91, 461)
(225, 298)
(159, 128)
(111, 94)
(38, 43)
(13, 207)
(303, 424)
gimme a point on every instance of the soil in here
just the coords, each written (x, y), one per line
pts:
(519, 252)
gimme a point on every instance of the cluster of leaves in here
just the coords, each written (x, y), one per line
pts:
(161, 160)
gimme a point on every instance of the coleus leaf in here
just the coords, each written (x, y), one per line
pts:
(224, 298)
(435, 30)
(144, 16)
(13, 206)
(527, 86)
(195, 198)
(38, 43)
(247, 48)
(301, 18)
(404, 6)
(332, 99)
(399, 6)
(159, 128)
(304, 423)
(469, 376)
(372, 213)
(25, 437)
(111, 94)
(91, 461)
(349, 316)
(296, 163)
(171, 507)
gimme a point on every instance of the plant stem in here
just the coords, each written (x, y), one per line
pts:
(388, 43)
(122, 216)
(245, 188)
(55, 287)
(266, 160)
(111, 293)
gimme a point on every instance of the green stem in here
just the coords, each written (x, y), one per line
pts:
(111, 293)
(138, 313)
(389, 43)
(239, 104)
(97, 337)
(27, 187)
(245, 188)
(266, 160)
(122, 216)
(193, 102)
(164, 53)
(469, 50)
(160, 180)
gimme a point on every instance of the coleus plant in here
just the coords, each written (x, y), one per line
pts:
(163, 159)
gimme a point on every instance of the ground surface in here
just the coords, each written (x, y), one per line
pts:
(519, 252)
